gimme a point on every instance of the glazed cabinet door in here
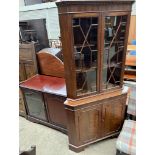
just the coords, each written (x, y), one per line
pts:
(89, 122)
(112, 116)
(85, 53)
(35, 104)
(113, 51)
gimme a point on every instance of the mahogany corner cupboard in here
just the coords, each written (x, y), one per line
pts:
(94, 40)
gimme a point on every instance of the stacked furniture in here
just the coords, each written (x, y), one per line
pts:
(80, 91)
(45, 93)
(34, 30)
(130, 63)
(27, 67)
(94, 42)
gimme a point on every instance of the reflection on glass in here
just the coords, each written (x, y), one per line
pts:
(114, 38)
(35, 105)
(85, 53)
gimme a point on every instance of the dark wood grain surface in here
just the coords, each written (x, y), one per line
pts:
(53, 85)
(49, 63)
(96, 112)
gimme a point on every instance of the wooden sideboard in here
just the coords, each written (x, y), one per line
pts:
(44, 101)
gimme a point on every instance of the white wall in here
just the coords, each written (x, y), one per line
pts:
(133, 9)
(21, 3)
(39, 11)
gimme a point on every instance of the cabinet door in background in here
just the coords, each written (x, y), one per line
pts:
(56, 109)
(35, 105)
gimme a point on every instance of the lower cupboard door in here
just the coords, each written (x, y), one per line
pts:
(112, 116)
(35, 105)
(89, 120)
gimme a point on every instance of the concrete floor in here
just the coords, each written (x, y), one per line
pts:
(51, 142)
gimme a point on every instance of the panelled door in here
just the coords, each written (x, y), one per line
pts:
(89, 123)
(112, 116)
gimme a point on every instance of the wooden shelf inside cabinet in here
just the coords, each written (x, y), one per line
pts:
(86, 69)
(80, 45)
(116, 65)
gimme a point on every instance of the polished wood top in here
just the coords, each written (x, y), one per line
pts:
(48, 84)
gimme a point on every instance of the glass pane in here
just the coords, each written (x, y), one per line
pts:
(114, 39)
(85, 53)
(35, 105)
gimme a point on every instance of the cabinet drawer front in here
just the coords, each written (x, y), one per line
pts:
(35, 104)
(25, 54)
